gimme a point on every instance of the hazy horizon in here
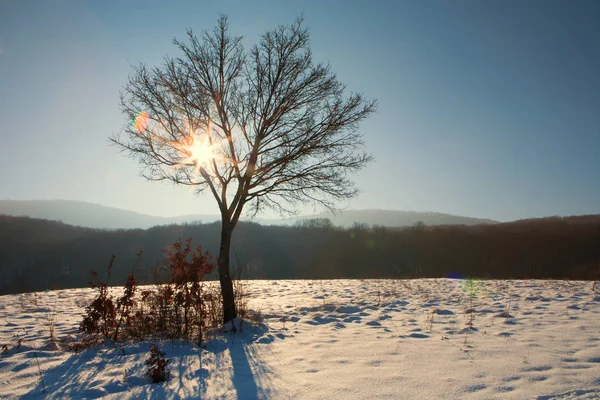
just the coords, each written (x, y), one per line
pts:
(274, 217)
(486, 109)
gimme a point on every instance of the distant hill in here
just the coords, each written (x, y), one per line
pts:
(101, 217)
(394, 218)
(91, 215)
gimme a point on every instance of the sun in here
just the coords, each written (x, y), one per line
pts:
(197, 151)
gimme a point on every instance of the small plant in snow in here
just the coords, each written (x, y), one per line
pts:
(35, 356)
(18, 341)
(39, 367)
(101, 313)
(157, 365)
(31, 302)
(126, 303)
(506, 312)
(471, 287)
(51, 324)
(430, 318)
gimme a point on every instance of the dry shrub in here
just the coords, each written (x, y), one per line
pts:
(157, 365)
(126, 303)
(176, 310)
(182, 308)
(101, 313)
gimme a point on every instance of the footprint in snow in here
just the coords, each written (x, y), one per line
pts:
(418, 336)
(577, 366)
(266, 340)
(569, 360)
(348, 310)
(537, 368)
(540, 378)
(476, 388)
(504, 389)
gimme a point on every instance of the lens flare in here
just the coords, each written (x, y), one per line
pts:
(141, 121)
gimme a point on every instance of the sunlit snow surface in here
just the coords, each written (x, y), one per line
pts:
(346, 339)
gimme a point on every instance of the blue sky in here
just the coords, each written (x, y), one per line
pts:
(486, 108)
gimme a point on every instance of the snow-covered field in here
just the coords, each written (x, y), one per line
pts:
(346, 339)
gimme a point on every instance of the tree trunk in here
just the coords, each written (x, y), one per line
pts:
(229, 311)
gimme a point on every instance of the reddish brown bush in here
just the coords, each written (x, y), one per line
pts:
(157, 365)
(126, 302)
(178, 309)
(188, 269)
(101, 313)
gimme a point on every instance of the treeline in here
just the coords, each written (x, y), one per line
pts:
(40, 254)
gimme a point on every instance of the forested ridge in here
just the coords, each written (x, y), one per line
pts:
(37, 254)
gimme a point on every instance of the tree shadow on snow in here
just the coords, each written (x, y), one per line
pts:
(250, 377)
(243, 378)
(119, 369)
(81, 374)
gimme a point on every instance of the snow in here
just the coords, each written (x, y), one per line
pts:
(351, 339)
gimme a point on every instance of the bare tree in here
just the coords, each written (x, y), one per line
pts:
(264, 128)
